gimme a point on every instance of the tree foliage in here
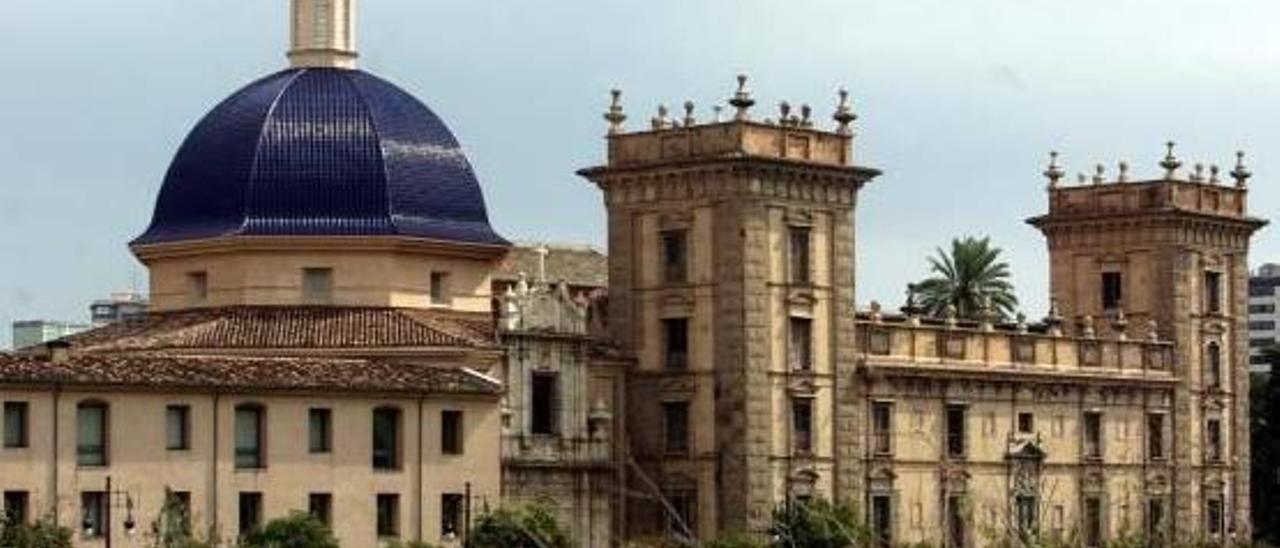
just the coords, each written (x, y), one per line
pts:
(172, 526)
(41, 534)
(970, 279)
(531, 526)
(817, 524)
(297, 530)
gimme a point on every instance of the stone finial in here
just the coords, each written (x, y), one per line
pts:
(522, 284)
(1153, 330)
(742, 100)
(784, 113)
(717, 112)
(1086, 327)
(1053, 319)
(1213, 174)
(1123, 176)
(1197, 175)
(689, 120)
(844, 115)
(986, 314)
(1120, 324)
(949, 315)
(1082, 178)
(661, 121)
(1240, 173)
(910, 308)
(615, 116)
(1021, 325)
(1170, 163)
(876, 311)
(1098, 174)
(806, 116)
(1054, 172)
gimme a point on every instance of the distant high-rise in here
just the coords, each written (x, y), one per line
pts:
(1263, 299)
(32, 332)
(118, 307)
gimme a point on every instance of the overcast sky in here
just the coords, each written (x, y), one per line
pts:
(959, 100)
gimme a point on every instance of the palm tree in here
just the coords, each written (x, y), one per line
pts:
(971, 280)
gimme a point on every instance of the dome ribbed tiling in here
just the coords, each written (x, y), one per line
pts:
(321, 152)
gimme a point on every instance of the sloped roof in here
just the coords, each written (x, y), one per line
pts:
(577, 265)
(291, 327)
(183, 372)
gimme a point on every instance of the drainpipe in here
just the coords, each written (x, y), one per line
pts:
(213, 471)
(417, 485)
(57, 398)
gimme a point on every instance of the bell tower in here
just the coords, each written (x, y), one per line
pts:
(731, 281)
(323, 34)
(1171, 252)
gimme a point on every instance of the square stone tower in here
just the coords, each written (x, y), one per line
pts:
(1173, 251)
(731, 280)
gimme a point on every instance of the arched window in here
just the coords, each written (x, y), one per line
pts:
(1213, 365)
(251, 436)
(92, 433)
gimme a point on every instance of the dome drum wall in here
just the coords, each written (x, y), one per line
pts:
(377, 272)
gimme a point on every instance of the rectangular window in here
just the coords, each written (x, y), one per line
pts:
(802, 425)
(957, 526)
(1092, 522)
(800, 348)
(1213, 440)
(93, 508)
(676, 343)
(545, 395)
(451, 432)
(250, 438)
(1262, 308)
(1155, 436)
(675, 253)
(1213, 516)
(1155, 522)
(1213, 292)
(882, 521)
(388, 516)
(177, 427)
(799, 247)
(91, 434)
(16, 506)
(1261, 343)
(1112, 290)
(451, 513)
(676, 427)
(683, 518)
(1093, 435)
(439, 288)
(317, 286)
(1026, 423)
(955, 434)
(882, 428)
(320, 430)
(197, 287)
(250, 512)
(386, 438)
(1262, 325)
(15, 424)
(1028, 514)
(320, 506)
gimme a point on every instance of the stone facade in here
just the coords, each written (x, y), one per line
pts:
(559, 429)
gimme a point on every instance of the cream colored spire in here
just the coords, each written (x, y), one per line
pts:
(323, 34)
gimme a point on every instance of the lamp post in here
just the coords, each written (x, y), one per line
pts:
(112, 496)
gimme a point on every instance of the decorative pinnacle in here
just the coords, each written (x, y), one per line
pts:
(615, 116)
(1197, 176)
(806, 115)
(784, 113)
(1241, 173)
(742, 99)
(689, 120)
(1098, 172)
(1081, 178)
(844, 113)
(1054, 172)
(1213, 174)
(1170, 163)
(1123, 177)
(718, 112)
(661, 121)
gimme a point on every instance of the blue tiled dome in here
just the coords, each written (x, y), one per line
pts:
(321, 152)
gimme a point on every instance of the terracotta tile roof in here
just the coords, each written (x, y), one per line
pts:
(291, 327)
(582, 266)
(172, 372)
